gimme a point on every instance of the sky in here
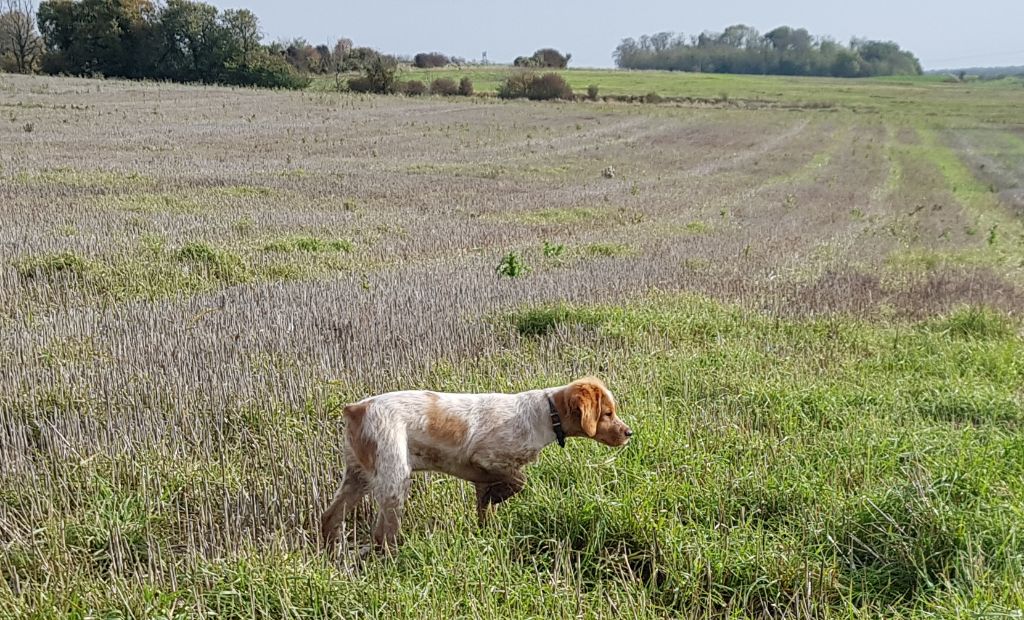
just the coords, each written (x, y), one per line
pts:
(942, 33)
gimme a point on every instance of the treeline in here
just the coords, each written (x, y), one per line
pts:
(180, 40)
(783, 51)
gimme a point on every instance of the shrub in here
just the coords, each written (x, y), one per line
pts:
(515, 86)
(425, 60)
(653, 97)
(444, 86)
(380, 76)
(592, 92)
(530, 86)
(550, 86)
(269, 71)
(466, 87)
(359, 85)
(414, 88)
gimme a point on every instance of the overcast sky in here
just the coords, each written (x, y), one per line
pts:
(943, 33)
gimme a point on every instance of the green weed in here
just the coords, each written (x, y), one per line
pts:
(512, 266)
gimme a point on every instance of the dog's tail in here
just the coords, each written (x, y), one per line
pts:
(360, 442)
(355, 410)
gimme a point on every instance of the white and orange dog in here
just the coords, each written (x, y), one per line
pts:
(483, 438)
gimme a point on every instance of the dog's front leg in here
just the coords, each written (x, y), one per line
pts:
(492, 493)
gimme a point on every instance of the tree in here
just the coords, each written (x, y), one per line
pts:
(784, 50)
(181, 40)
(358, 58)
(425, 60)
(21, 47)
(195, 44)
(846, 64)
(243, 28)
(546, 57)
(341, 49)
(785, 38)
(660, 42)
(303, 56)
(110, 37)
(739, 36)
(549, 57)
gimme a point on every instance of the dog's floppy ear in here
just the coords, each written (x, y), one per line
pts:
(586, 399)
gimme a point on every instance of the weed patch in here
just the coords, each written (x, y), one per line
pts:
(308, 244)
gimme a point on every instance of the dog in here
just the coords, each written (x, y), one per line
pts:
(486, 439)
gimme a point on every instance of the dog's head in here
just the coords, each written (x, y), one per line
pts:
(588, 409)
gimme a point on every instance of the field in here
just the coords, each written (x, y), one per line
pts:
(883, 94)
(806, 294)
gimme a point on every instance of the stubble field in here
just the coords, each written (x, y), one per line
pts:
(807, 301)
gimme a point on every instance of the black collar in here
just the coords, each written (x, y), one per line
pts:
(556, 422)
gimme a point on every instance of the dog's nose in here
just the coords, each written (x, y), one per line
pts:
(629, 432)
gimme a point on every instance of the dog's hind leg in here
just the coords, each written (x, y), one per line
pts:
(360, 459)
(390, 487)
(353, 488)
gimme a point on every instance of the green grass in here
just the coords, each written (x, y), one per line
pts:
(151, 270)
(1001, 232)
(308, 244)
(606, 249)
(833, 468)
(827, 467)
(922, 95)
(567, 215)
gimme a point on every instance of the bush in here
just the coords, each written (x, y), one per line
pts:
(530, 86)
(425, 60)
(444, 86)
(414, 88)
(359, 85)
(592, 92)
(380, 76)
(550, 86)
(466, 87)
(269, 71)
(515, 86)
(653, 97)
